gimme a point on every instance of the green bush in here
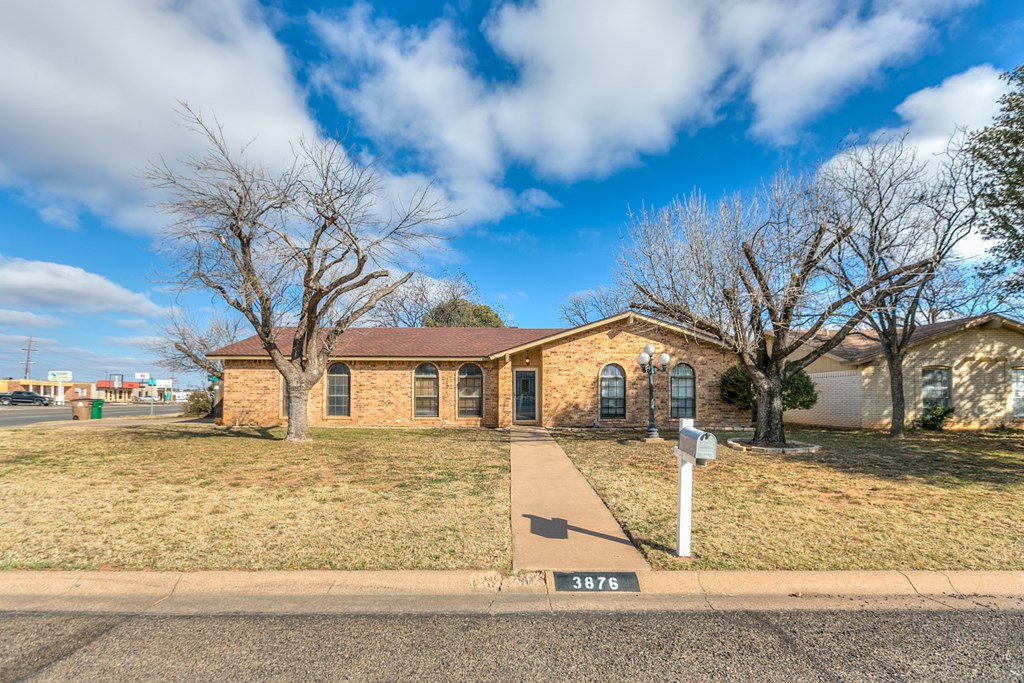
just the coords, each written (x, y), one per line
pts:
(198, 403)
(736, 389)
(799, 392)
(934, 417)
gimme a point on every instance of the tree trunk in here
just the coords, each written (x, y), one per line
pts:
(769, 430)
(298, 412)
(898, 400)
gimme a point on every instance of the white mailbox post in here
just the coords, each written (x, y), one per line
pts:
(694, 447)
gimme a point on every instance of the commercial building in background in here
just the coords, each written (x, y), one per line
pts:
(60, 392)
(125, 391)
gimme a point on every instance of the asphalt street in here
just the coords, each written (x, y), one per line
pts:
(651, 646)
(20, 416)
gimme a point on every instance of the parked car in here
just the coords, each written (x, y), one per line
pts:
(25, 398)
(145, 399)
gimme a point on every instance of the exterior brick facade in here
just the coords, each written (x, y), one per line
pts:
(572, 370)
(567, 365)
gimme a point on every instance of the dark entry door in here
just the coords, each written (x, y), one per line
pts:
(525, 395)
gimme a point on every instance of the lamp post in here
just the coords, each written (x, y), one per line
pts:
(646, 362)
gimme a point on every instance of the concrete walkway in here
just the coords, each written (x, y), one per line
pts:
(558, 521)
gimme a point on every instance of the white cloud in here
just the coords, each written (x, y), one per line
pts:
(27, 320)
(931, 116)
(791, 87)
(600, 82)
(589, 87)
(90, 89)
(592, 85)
(41, 284)
(967, 100)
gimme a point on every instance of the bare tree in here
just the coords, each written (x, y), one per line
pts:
(902, 210)
(184, 342)
(410, 304)
(748, 273)
(308, 247)
(958, 290)
(594, 304)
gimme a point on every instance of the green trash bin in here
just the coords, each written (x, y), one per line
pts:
(97, 409)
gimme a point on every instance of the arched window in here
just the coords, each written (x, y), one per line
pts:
(684, 392)
(338, 390)
(425, 391)
(613, 392)
(471, 391)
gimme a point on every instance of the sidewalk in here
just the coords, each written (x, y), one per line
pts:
(488, 592)
(558, 521)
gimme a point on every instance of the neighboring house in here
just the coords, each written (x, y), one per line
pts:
(493, 377)
(974, 365)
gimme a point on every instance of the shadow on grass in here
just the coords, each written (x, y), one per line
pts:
(956, 458)
(255, 433)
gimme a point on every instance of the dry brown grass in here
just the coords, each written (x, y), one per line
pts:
(932, 501)
(202, 497)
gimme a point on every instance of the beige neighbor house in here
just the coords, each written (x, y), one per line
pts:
(974, 365)
(492, 377)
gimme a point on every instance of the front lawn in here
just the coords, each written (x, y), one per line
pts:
(180, 497)
(944, 500)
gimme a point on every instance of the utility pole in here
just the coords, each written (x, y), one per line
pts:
(28, 358)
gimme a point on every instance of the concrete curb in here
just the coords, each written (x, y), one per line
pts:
(404, 592)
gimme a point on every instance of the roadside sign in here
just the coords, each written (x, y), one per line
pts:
(142, 375)
(162, 383)
(59, 375)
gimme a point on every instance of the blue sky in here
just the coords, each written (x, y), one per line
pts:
(542, 123)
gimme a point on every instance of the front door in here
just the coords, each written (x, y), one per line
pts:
(525, 396)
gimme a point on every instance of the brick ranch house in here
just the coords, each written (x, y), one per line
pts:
(975, 365)
(492, 377)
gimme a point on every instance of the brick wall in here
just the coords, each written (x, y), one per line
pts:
(572, 369)
(380, 393)
(981, 361)
(839, 401)
(568, 385)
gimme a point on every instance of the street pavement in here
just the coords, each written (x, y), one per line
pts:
(483, 626)
(21, 416)
(898, 645)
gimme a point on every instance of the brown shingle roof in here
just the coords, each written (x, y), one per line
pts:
(863, 344)
(406, 342)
